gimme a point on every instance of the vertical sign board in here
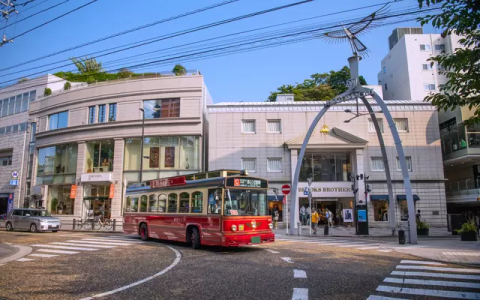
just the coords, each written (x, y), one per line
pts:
(73, 191)
(10, 203)
(112, 191)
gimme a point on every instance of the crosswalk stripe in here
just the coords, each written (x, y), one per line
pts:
(425, 292)
(24, 259)
(299, 274)
(461, 254)
(352, 245)
(438, 275)
(469, 285)
(57, 251)
(98, 243)
(384, 250)
(300, 294)
(271, 251)
(457, 270)
(43, 255)
(368, 248)
(75, 244)
(373, 297)
(65, 247)
(114, 240)
(421, 262)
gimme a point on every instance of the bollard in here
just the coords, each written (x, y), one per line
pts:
(73, 224)
(114, 224)
(325, 229)
(298, 228)
(401, 237)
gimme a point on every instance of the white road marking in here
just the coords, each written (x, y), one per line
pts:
(114, 241)
(353, 245)
(43, 255)
(57, 251)
(178, 256)
(421, 262)
(469, 285)
(300, 294)
(384, 250)
(438, 275)
(461, 253)
(75, 244)
(373, 297)
(457, 270)
(24, 259)
(424, 292)
(65, 247)
(287, 259)
(255, 245)
(98, 243)
(368, 248)
(299, 274)
(271, 251)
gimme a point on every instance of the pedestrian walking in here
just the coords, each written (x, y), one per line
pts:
(330, 218)
(308, 215)
(314, 221)
(418, 216)
(302, 214)
(275, 217)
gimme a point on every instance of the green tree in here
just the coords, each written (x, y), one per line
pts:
(320, 86)
(461, 68)
(22, 80)
(87, 65)
(67, 86)
(179, 70)
(124, 73)
(47, 92)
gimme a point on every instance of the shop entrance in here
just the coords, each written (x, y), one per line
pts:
(96, 201)
(3, 205)
(334, 205)
(272, 205)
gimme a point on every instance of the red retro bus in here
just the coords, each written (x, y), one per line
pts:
(221, 208)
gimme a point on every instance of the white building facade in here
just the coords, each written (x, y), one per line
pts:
(265, 137)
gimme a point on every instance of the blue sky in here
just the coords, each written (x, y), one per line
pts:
(248, 76)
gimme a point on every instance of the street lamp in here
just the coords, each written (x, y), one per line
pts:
(141, 147)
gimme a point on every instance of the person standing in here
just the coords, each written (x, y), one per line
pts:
(330, 219)
(418, 216)
(308, 215)
(314, 221)
(302, 215)
(275, 217)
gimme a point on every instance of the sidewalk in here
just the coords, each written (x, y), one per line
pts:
(10, 252)
(350, 231)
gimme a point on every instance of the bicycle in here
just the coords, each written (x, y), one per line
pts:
(84, 224)
(99, 223)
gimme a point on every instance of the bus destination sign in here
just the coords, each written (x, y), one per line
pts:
(253, 183)
(172, 181)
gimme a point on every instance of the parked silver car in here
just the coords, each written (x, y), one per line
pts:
(32, 219)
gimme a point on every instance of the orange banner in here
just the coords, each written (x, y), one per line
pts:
(112, 191)
(73, 191)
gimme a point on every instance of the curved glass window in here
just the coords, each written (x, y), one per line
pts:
(172, 203)
(197, 202)
(162, 203)
(153, 203)
(143, 203)
(184, 202)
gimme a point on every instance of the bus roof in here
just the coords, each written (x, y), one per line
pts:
(214, 182)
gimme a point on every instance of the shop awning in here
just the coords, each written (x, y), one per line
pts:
(404, 197)
(379, 197)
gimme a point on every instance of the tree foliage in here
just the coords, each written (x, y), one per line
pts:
(124, 73)
(320, 86)
(22, 80)
(67, 86)
(87, 65)
(461, 68)
(179, 70)
(47, 92)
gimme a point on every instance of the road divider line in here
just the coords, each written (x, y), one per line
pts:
(75, 244)
(469, 285)
(178, 256)
(299, 274)
(384, 250)
(43, 255)
(57, 251)
(65, 247)
(421, 262)
(352, 245)
(425, 292)
(457, 270)
(287, 259)
(438, 275)
(368, 248)
(272, 251)
(24, 259)
(300, 294)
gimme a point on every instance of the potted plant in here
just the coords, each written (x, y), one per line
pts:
(54, 204)
(468, 232)
(47, 92)
(89, 163)
(422, 228)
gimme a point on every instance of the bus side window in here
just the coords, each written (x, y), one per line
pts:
(143, 203)
(184, 203)
(172, 203)
(128, 206)
(214, 201)
(197, 202)
(162, 203)
(153, 203)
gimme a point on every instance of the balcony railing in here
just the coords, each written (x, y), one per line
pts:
(467, 186)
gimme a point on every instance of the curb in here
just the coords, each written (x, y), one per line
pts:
(20, 252)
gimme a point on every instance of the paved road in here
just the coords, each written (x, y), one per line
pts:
(69, 265)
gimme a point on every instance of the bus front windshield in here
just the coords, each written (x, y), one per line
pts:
(242, 202)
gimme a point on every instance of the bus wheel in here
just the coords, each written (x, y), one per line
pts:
(195, 238)
(144, 232)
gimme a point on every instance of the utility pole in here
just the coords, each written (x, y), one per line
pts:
(309, 181)
(9, 7)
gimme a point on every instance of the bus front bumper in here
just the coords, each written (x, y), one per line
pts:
(247, 239)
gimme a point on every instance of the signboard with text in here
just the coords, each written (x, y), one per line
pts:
(246, 182)
(172, 181)
(73, 191)
(326, 189)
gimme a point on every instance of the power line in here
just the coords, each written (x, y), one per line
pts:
(125, 32)
(37, 13)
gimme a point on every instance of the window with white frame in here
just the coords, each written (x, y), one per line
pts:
(274, 126)
(440, 47)
(409, 163)
(274, 164)
(376, 164)
(426, 67)
(401, 124)
(371, 127)
(429, 87)
(249, 164)
(248, 126)
(425, 47)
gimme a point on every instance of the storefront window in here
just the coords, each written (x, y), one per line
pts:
(172, 202)
(197, 202)
(380, 210)
(96, 200)
(59, 201)
(402, 204)
(164, 108)
(99, 156)
(189, 152)
(326, 167)
(132, 154)
(57, 164)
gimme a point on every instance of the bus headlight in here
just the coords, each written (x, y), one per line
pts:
(270, 225)
(234, 227)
